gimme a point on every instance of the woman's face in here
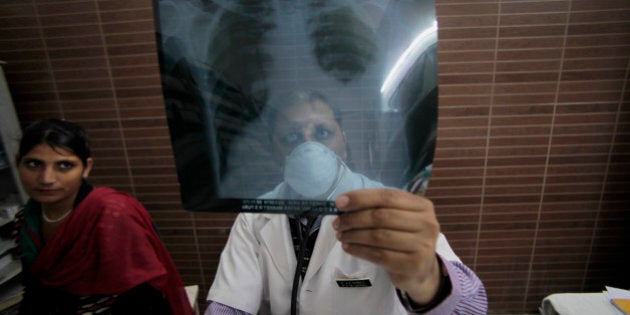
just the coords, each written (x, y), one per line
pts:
(307, 122)
(52, 176)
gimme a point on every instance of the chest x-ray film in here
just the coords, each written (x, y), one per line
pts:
(281, 105)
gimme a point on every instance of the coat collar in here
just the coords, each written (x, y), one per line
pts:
(326, 240)
(276, 237)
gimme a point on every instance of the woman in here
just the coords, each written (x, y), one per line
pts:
(86, 250)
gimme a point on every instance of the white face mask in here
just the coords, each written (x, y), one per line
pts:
(313, 170)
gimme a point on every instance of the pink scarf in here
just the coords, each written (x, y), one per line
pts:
(109, 245)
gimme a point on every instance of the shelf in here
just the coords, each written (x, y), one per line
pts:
(7, 212)
(11, 270)
(12, 196)
(6, 245)
(11, 294)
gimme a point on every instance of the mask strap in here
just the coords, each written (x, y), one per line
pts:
(333, 188)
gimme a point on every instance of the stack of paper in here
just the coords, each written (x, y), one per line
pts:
(619, 298)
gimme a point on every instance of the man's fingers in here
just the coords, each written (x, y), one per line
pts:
(386, 239)
(383, 218)
(393, 261)
(381, 198)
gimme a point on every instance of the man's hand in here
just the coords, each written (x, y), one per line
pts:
(396, 230)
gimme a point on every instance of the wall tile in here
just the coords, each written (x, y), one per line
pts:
(530, 178)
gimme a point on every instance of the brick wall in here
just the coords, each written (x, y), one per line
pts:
(531, 170)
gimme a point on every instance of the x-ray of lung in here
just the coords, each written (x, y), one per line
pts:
(282, 105)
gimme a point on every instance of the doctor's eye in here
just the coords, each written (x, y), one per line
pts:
(323, 133)
(292, 139)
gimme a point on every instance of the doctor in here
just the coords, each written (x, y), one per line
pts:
(384, 255)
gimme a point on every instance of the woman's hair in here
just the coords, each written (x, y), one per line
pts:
(55, 133)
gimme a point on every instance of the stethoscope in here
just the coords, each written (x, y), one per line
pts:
(303, 244)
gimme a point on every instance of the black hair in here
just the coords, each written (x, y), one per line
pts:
(57, 134)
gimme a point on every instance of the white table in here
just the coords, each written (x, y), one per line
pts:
(577, 304)
(193, 291)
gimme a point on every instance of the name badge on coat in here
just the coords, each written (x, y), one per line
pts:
(354, 283)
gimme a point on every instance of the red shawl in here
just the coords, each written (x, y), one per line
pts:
(109, 245)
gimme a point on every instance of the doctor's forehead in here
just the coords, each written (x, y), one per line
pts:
(316, 110)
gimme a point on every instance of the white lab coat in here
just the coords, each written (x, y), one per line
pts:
(257, 266)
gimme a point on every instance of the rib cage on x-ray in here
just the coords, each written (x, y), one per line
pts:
(228, 51)
(341, 43)
(232, 72)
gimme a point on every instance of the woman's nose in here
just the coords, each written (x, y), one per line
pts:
(47, 176)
